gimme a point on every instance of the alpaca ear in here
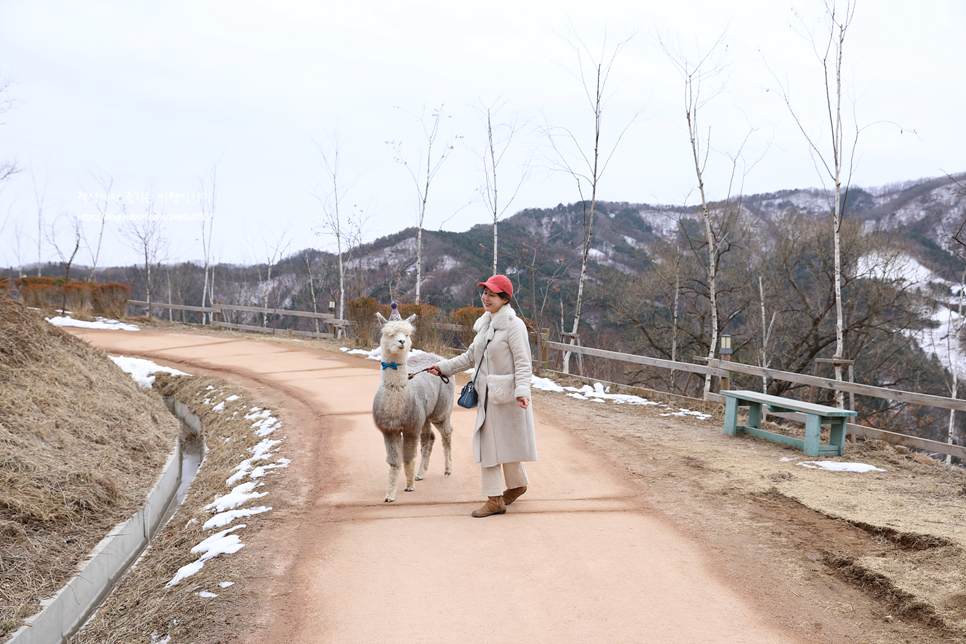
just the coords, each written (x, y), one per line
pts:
(411, 318)
(381, 319)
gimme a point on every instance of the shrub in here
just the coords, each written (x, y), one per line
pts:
(39, 296)
(27, 280)
(361, 313)
(77, 298)
(4, 286)
(110, 300)
(464, 319)
(428, 336)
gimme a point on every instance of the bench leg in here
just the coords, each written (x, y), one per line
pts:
(813, 433)
(837, 435)
(754, 415)
(731, 417)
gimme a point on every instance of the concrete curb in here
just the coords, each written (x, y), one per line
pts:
(67, 610)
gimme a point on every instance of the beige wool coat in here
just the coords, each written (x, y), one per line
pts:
(504, 432)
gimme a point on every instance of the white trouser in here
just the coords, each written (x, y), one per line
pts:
(515, 474)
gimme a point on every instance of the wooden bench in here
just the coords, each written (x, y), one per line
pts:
(816, 416)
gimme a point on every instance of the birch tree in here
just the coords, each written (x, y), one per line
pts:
(102, 201)
(830, 157)
(702, 80)
(586, 160)
(40, 197)
(330, 192)
(271, 246)
(209, 190)
(424, 180)
(144, 235)
(499, 137)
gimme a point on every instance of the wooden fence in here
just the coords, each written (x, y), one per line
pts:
(722, 369)
(331, 322)
(719, 368)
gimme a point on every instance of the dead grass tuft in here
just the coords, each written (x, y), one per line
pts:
(80, 446)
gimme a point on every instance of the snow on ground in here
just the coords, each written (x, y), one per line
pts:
(833, 466)
(141, 369)
(217, 544)
(99, 323)
(226, 507)
(600, 394)
(836, 466)
(938, 341)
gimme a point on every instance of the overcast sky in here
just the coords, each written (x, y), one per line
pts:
(156, 94)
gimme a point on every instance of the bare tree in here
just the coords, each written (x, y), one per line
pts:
(330, 192)
(422, 182)
(106, 183)
(40, 196)
(66, 249)
(586, 162)
(830, 161)
(143, 234)
(306, 257)
(499, 137)
(270, 247)
(207, 227)
(708, 70)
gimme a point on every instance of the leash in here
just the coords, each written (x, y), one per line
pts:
(444, 378)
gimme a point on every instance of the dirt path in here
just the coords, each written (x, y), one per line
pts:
(583, 557)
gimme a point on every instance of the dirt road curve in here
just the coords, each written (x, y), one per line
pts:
(578, 559)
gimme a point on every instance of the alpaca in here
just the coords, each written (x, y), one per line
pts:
(404, 409)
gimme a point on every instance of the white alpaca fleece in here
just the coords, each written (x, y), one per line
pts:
(397, 326)
(392, 330)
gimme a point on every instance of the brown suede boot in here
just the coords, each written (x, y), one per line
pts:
(513, 494)
(494, 505)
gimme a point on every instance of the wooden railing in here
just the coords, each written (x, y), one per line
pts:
(722, 369)
(329, 319)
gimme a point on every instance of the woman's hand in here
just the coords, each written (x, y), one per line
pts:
(523, 402)
(434, 370)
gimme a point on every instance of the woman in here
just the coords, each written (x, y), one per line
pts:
(504, 436)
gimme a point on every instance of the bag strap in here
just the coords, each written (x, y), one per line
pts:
(477, 372)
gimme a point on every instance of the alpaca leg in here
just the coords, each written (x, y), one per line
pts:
(446, 433)
(393, 445)
(410, 447)
(426, 439)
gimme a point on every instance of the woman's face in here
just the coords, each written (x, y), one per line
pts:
(491, 301)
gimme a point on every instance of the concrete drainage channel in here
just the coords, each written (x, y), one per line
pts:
(64, 613)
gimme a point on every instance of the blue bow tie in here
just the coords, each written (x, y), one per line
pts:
(389, 365)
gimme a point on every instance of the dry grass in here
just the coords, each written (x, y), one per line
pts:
(140, 603)
(80, 446)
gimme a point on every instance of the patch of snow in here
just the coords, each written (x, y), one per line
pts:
(232, 398)
(140, 369)
(206, 594)
(222, 519)
(226, 584)
(239, 494)
(219, 407)
(99, 323)
(219, 543)
(836, 466)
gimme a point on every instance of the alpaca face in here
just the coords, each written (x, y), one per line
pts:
(397, 338)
